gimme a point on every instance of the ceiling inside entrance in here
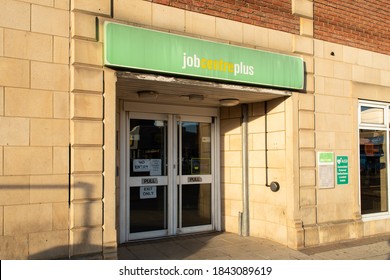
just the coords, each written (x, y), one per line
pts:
(172, 90)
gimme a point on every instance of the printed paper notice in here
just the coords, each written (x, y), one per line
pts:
(326, 170)
(155, 167)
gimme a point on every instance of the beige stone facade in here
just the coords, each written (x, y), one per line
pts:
(61, 121)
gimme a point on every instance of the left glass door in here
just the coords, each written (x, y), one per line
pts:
(148, 180)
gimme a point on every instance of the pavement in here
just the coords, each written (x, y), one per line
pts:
(229, 246)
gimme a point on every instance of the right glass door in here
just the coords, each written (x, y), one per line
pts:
(195, 178)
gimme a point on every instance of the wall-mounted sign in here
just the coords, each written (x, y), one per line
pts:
(147, 192)
(144, 49)
(325, 170)
(342, 170)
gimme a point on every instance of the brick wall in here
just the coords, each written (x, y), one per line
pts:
(267, 13)
(363, 23)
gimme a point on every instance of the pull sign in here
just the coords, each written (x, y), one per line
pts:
(194, 179)
(147, 181)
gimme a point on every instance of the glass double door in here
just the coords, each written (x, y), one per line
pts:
(170, 182)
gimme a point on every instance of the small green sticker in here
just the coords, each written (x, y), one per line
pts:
(326, 157)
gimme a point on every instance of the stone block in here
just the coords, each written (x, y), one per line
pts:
(235, 143)
(307, 196)
(228, 30)
(27, 160)
(307, 177)
(309, 63)
(342, 71)
(306, 102)
(1, 42)
(276, 232)
(87, 214)
(14, 247)
(61, 105)
(86, 79)
(1, 221)
(86, 106)
(280, 41)
(19, 219)
(306, 27)
(49, 76)
(303, 8)
(136, 11)
(256, 159)
(99, 7)
(324, 67)
(87, 132)
(307, 139)
(258, 109)
(1, 101)
(60, 160)
(230, 224)
(257, 175)
(350, 55)
(307, 158)
(235, 175)
(86, 241)
(14, 131)
(256, 36)
(258, 141)
(333, 51)
(50, 21)
(276, 122)
(311, 236)
(87, 159)
(49, 132)
(60, 215)
(276, 140)
(168, 18)
(232, 192)
(309, 215)
(87, 52)
(15, 15)
(14, 190)
(48, 188)
(365, 75)
(28, 45)
(28, 103)
(14, 72)
(306, 120)
(48, 245)
(231, 158)
(85, 186)
(1, 161)
(61, 4)
(230, 126)
(256, 125)
(303, 45)
(277, 159)
(61, 50)
(200, 24)
(84, 26)
(48, 3)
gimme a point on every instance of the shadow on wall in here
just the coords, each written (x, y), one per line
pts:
(35, 219)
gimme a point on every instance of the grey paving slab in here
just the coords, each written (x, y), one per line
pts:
(228, 246)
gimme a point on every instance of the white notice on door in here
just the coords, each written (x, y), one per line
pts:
(141, 165)
(155, 167)
(147, 192)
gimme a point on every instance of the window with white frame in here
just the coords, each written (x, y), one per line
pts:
(374, 157)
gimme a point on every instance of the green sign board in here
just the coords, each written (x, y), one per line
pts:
(143, 49)
(342, 170)
(326, 157)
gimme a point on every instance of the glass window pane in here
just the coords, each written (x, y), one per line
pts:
(196, 205)
(373, 171)
(148, 148)
(372, 115)
(148, 212)
(196, 148)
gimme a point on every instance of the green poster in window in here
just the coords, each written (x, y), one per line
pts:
(342, 170)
